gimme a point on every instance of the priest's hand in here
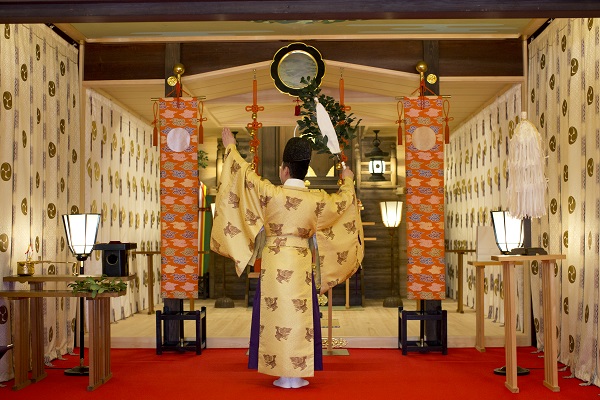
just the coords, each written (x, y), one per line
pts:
(227, 137)
(347, 173)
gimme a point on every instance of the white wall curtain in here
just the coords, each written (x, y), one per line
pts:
(40, 177)
(475, 185)
(120, 154)
(39, 164)
(564, 93)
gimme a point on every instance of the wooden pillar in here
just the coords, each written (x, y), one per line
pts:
(172, 57)
(431, 53)
(272, 141)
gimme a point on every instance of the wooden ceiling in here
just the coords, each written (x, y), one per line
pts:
(373, 45)
(251, 10)
(375, 75)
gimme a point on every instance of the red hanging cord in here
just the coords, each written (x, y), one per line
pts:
(297, 107)
(446, 120)
(155, 123)
(177, 91)
(342, 104)
(342, 92)
(201, 119)
(400, 120)
(254, 126)
(422, 89)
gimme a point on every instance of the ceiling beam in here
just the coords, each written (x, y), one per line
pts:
(457, 57)
(49, 11)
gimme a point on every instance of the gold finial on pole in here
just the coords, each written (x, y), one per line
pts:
(179, 69)
(421, 68)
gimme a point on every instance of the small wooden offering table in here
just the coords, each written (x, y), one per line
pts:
(479, 291)
(29, 316)
(549, 315)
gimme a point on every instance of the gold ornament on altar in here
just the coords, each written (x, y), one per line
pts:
(322, 299)
(336, 343)
(25, 268)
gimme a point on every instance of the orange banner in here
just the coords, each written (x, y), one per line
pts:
(423, 117)
(179, 189)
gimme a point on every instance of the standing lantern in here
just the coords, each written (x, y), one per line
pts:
(81, 231)
(391, 214)
(509, 232)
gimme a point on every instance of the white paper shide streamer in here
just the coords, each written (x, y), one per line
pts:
(327, 129)
(526, 181)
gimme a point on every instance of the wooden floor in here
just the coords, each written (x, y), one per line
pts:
(371, 326)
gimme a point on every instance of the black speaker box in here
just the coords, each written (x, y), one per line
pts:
(114, 258)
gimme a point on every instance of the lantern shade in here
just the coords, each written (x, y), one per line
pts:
(391, 213)
(376, 163)
(376, 166)
(81, 231)
(508, 231)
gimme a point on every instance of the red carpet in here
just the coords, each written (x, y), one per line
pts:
(221, 374)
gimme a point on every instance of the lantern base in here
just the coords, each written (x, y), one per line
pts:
(375, 177)
(224, 302)
(392, 302)
(520, 371)
(526, 251)
(78, 371)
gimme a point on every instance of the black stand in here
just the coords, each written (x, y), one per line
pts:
(80, 370)
(199, 316)
(422, 345)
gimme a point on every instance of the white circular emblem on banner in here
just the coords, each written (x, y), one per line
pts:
(423, 138)
(178, 139)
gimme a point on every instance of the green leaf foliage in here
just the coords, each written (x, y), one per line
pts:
(97, 285)
(345, 126)
(202, 159)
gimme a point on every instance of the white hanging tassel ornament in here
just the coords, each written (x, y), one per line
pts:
(526, 181)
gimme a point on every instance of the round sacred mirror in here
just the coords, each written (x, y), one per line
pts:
(294, 62)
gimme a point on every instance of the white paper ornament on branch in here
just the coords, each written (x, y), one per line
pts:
(327, 130)
(526, 181)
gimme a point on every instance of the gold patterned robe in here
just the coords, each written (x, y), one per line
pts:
(290, 216)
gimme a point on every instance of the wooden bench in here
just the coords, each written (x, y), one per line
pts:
(29, 315)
